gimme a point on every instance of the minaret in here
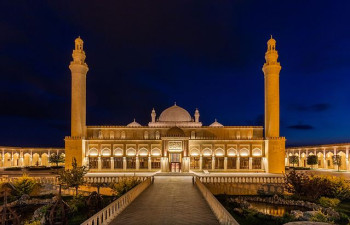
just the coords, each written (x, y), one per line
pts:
(271, 71)
(153, 116)
(196, 116)
(78, 69)
(274, 144)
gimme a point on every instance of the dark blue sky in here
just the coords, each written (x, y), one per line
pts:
(144, 54)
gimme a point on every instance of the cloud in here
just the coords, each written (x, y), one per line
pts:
(311, 108)
(301, 127)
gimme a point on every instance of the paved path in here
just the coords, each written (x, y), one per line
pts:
(170, 200)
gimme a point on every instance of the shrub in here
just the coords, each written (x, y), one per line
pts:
(312, 187)
(13, 169)
(329, 202)
(25, 185)
(77, 203)
(124, 186)
(319, 217)
(312, 160)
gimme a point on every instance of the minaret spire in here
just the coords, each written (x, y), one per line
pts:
(79, 70)
(271, 71)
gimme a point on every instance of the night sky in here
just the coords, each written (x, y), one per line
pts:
(201, 54)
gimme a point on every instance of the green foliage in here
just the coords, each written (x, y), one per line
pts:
(329, 202)
(320, 217)
(312, 160)
(36, 222)
(124, 185)
(337, 161)
(293, 160)
(73, 177)
(55, 158)
(76, 204)
(25, 185)
(310, 187)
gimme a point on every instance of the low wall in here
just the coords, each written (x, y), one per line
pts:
(218, 209)
(243, 185)
(106, 215)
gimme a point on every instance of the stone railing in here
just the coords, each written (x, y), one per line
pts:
(42, 180)
(106, 215)
(220, 212)
(242, 179)
(111, 179)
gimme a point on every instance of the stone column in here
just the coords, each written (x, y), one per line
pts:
(149, 163)
(299, 163)
(225, 163)
(347, 157)
(124, 163)
(307, 154)
(112, 163)
(99, 164)
(12, 164)
(39, 160)
(238, 163)
(213, 163)
(200, 162)
(250, 163)
(3, 158)
(137, 163)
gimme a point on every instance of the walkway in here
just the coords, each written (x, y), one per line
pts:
(170, 200)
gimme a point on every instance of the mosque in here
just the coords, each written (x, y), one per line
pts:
(175, 141)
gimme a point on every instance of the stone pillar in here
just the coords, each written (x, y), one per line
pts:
(250, 163)
(112, 163)
(213, 163)
(99, 164)
(200, 162)
(149, 163)
(137, 163)
(12, 164)
(39, 160)
(307, 154)
(238, 163)
(3, 158)
(347, 157)
(124, 163)
(164, 164)
(299, 161)
(225, 163)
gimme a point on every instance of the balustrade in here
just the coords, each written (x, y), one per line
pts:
(242, 179)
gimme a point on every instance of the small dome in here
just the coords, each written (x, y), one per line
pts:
(79, 40)
(134, 124)
(271, 41)
(216, 124)
(175, 132)
(175, 114)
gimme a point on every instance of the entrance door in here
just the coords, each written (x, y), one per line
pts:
(175, 167)
(175, 162)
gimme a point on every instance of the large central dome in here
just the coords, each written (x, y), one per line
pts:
(175, 114)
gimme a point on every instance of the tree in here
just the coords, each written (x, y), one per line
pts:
(293, 159)
(312, 160)
(337, 161)
(25, 185)
(73, 177)
(55, 158)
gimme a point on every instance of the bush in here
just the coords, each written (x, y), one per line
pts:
(76, 204)
(32, 168)
(124, 186)
(329, 202)
(25, 185)
(312, 187)
(319, 217)
(13, 169)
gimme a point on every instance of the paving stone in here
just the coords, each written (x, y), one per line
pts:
(170, 200)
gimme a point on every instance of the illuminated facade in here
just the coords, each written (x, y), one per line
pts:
(175, 141)
(325, 154)
(25, 157)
